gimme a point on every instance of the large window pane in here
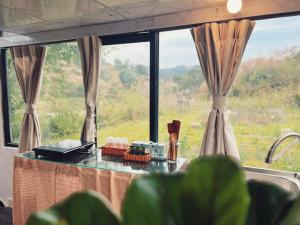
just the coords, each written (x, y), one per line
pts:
(123, 106)
(16, 105)
(183, 92)
(264, 101)
(61, 103)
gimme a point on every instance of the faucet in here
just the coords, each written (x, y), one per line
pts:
(283, 137)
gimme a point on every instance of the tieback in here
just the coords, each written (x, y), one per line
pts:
(29, 108)
(90, 114)
(219, 103)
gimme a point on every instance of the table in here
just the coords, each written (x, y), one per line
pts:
(40, 183)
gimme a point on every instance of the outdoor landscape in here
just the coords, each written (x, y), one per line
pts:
(263, 103)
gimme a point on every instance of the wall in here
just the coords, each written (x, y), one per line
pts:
(6, 166)
(6, 171)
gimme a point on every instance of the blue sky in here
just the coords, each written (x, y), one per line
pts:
(274, 35)
(270, 37)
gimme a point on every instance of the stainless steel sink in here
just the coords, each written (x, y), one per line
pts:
(287, 180)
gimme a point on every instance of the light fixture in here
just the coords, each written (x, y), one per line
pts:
(234, 6)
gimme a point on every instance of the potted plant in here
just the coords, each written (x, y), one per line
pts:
(213, 191)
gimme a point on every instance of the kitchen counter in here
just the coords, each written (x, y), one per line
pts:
(40, 183)
(114, 163)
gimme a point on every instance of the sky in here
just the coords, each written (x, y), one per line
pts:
(269, 37)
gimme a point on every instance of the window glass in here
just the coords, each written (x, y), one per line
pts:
(264, 102)
(183, 91)
(60, 106)
(123, 106)
(262, 105)
(16, 105)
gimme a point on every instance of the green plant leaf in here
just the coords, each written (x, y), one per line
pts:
(81, 208)
(213, 192)
(267, 203)
(153, 199)
(292, 212)
(47, 217)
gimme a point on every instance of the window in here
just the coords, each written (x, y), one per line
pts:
(16, 105)
(123, 107)
(124, 89)
(60, 106)
(183, 91)
(265, 98)
(264, 101)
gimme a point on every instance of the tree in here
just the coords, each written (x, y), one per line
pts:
(190, 82)
(127, 78)
(64, 52)
(118, 63)
(141, 70)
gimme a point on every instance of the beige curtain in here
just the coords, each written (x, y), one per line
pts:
(220, 47)
(29, 61)
(89, 47)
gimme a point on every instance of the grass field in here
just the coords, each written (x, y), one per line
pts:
(255, 130)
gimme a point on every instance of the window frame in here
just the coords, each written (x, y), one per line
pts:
(5, 101)
(151, 37)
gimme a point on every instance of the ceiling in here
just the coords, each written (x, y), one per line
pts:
(30, 16)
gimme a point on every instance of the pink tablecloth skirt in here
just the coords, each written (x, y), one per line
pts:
(40, 184)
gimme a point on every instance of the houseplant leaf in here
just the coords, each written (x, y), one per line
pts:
(267, 201)
(291, 212)
(153, 199)
(81, 208)
(213, 192)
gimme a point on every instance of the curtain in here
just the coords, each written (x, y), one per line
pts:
(220, 47)
(28, 61)
(89, 47)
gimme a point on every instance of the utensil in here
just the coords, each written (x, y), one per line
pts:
(170, 128)
(176, 126)
(173, 130)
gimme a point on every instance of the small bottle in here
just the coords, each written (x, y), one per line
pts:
(125, 143)
(109, 142)
(118, 142)
(113, 143)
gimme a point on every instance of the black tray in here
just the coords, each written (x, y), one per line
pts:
(63, 149)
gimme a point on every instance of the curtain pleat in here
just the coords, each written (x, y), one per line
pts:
(29, 61)
(89, 47)
(220, 47)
